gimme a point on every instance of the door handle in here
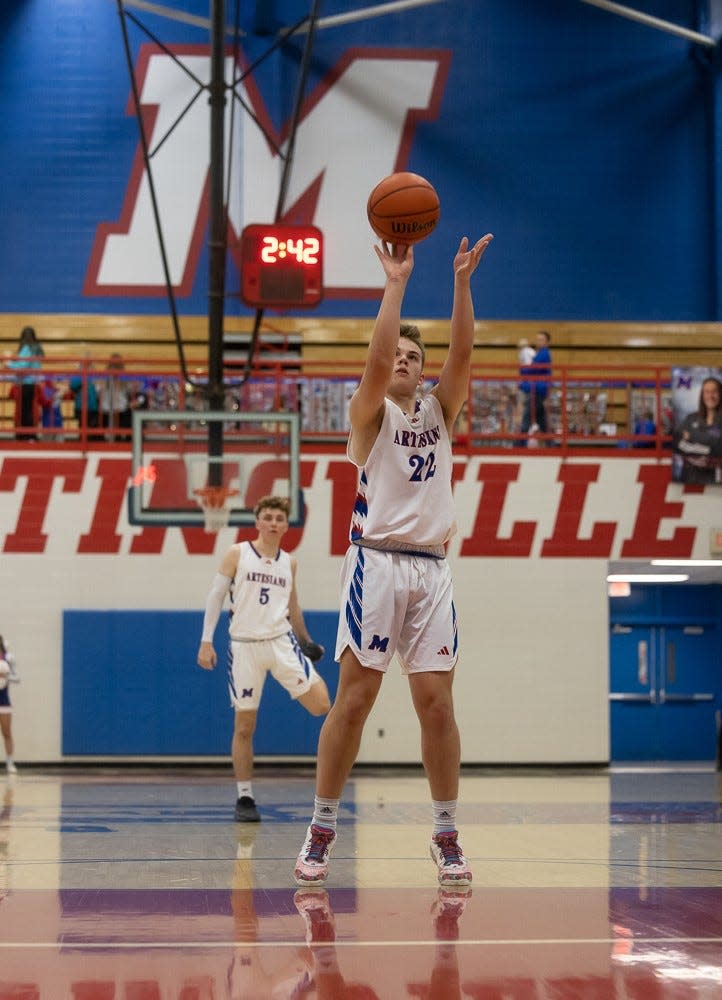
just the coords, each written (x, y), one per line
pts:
(619, 696)
(642, 662)
(671, 663)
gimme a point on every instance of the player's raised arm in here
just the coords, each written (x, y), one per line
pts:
(453, 386)
(366, 405)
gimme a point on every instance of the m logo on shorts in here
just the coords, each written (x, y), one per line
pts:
(247, 693)
(378, 643)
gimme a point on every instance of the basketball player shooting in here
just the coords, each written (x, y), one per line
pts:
(396, 590)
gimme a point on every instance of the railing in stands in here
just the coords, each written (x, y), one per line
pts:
(611, 407)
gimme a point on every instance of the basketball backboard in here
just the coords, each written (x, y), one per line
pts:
(178, 454)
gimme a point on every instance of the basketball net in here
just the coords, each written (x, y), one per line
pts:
(213, 501)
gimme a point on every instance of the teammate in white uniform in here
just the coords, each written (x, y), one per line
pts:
(8, 675)
(267, 634)
(396, 593)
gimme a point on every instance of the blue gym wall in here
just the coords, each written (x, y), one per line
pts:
(127, 688)
(585, 141)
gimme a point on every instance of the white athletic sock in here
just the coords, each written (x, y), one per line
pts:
(325, 812)
(444, 816)
(244, 788)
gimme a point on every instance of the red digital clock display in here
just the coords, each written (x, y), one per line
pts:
(281, 266)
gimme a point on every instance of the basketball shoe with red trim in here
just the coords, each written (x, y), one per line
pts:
(312, 862)
(446, 852)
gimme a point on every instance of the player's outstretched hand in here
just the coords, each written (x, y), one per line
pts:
(466, 261)
(313, 650)
(396, 259)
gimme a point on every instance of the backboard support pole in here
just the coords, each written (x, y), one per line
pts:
(218, 233)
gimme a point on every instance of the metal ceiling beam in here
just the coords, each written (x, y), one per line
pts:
(653, 22)
(364, 13)
(176, 15)
(332, 21)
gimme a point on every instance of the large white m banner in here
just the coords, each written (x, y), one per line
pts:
(355, 128)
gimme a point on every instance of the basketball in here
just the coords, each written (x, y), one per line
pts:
(403, 208)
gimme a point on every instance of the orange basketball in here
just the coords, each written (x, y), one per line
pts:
(403, 208)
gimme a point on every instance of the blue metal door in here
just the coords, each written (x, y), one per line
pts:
(633, 693)
(688, 677)
(662, 692)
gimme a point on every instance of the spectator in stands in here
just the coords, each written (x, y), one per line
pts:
(26, 392)
(51, 397)
(698, 440)
(115, 408)
(85, 397)
(536, 386)
(525, 355)
(140, 394)
(644, 426)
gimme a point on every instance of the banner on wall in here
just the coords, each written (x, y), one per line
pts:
(697, 409)
(462, 99)
(66, 505)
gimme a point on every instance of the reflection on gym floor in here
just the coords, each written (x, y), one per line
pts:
(126, 884)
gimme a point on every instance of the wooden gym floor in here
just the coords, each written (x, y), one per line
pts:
(136, 884)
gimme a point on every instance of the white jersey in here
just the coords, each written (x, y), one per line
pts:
(7, 674)
(260, 592)
(404, 501)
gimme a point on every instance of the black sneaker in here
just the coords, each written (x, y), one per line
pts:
(246, 811)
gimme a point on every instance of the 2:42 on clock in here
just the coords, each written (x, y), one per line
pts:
(281, 266)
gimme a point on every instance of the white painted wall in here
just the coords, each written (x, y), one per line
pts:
(532, 679)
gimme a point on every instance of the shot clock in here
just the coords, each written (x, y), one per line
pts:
(281, 266)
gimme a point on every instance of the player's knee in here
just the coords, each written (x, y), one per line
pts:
(317, 701)
(437, 714)
(354, 706)
(324, 703)
(320, 707)
(245, 724)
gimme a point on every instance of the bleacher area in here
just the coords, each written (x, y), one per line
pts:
(141, 339)
(604, 372)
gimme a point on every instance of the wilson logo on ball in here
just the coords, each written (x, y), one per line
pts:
(416, 229)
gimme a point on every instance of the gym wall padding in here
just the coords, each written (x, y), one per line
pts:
(131, 686)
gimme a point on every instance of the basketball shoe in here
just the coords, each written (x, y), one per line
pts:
(246, 811)
(446, 852)
(312, 862)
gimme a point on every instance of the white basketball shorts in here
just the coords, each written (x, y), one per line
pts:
(251, 661)
(397, 603)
